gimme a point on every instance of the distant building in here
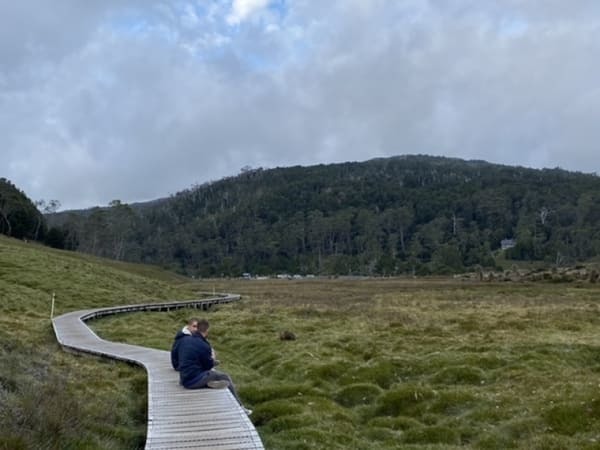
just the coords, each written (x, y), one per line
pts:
(505, 244)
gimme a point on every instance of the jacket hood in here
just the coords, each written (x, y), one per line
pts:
(185, 331)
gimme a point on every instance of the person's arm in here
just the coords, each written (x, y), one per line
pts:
(175, 355)
(205, 357)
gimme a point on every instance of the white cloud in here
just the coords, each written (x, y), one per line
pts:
(243, 9)
(93, 109)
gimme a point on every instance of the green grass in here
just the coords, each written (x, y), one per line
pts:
(381, 364)
(377, 364)
(56, 400)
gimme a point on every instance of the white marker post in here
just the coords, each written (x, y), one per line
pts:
(52, 307)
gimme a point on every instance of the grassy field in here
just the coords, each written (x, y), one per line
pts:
(377, 364)
(50, 399)
(382, 364)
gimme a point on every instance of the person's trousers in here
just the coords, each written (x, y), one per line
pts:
(215, 375)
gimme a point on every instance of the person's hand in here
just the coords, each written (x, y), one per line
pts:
(213, 355)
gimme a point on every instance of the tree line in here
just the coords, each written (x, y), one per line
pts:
(409, 214)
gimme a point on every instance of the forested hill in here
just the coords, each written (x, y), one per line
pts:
(408, 214)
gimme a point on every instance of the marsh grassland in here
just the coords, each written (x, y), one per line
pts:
(376, 364)
(416, 364)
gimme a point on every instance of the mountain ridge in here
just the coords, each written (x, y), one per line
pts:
(404, 214)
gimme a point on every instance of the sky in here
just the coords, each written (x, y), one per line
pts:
(135, 100)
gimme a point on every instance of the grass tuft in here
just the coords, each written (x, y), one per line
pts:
(568, 418)
(409, 399)
(436, 434)
(357, 394)
(462, 374)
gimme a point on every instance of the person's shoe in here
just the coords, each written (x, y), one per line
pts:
(218, 384)
(246, 410)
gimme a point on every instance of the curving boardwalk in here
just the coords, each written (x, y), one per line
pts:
(178, 418)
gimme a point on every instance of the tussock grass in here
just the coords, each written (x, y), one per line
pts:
(357, 394)
(377, 364)
(416, 365)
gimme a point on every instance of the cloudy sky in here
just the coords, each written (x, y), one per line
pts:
(138, 99)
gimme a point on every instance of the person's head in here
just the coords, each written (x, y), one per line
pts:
(203, 327)
(198, 326)
(192, 324)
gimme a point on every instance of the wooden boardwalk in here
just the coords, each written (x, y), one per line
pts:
(178, 418)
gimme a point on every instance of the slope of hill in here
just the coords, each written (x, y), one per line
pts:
(51, 399)
(409, 214)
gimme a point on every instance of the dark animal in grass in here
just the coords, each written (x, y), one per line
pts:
(287, 336)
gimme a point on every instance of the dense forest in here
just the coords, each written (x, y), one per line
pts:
(19, 216)
(407, 214)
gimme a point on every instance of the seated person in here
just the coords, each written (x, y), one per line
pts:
(192, 324)
(195, 361)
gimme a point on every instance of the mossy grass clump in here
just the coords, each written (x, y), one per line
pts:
(463, 374)
(521, 428)
(394, 423)
(320, 372)
(289, 422)
(552, 441)
(315, 437)
(452, 402)
(269, 410)
(383, 372)
(383, 435)
(494, 440)
(435, 434)
(569, 418)
(357, 394)
(410, 400)
(259, 392)
(483, 359)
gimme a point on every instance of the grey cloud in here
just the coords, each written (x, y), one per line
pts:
(137, 115)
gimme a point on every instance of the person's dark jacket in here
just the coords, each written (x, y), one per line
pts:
(195, 359)
(175, 348)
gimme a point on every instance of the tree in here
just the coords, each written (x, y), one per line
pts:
(5, 211)
(46, 208)
(121, 219)
(19, 217)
